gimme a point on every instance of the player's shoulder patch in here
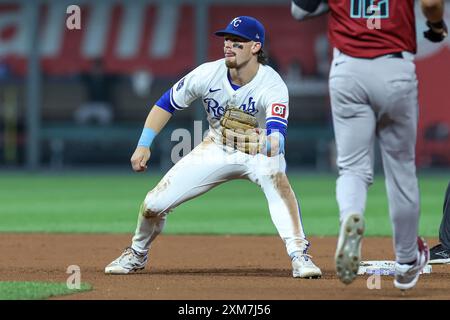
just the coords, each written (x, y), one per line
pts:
(279, 110)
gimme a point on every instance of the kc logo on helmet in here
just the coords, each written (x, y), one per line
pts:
(279, 110)
(236, 22)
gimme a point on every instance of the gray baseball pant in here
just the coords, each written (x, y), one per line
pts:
(377, 98)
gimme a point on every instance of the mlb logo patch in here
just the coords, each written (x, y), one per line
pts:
(279, 110)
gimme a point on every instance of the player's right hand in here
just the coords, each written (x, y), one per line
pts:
(139, 159)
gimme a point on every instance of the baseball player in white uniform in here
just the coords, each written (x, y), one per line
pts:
(241, 79)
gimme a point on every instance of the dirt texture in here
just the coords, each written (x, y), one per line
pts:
(202, 268)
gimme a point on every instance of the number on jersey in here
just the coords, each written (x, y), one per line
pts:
(369, 9)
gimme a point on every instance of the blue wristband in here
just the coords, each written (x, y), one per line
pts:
(146, 138)
(280, 143)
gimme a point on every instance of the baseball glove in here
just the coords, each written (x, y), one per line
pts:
(240, 131)
(434, 36)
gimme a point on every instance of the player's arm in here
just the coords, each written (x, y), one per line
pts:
(179, 97)
(305, 9)
(277, 112)
(433, 11)
(275, 142)
(156, 120)
(276, 135)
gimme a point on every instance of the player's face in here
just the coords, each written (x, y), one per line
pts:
(238, 51)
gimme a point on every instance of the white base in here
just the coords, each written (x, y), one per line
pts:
(383, 268)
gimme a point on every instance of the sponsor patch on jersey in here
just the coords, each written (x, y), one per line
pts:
(279, 110)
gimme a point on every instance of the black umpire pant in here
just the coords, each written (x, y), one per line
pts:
(444, 230)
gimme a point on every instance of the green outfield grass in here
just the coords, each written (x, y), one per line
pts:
(18, 290)
(89, 203)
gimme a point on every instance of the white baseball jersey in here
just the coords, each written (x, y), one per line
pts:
(265, 96)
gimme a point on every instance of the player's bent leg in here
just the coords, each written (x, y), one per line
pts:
(354, 127)
(170, 193)
(354, 160)
(188, 178)
(286, 216)
(354, 130)
(135, 259)
(351, 194)
(149, 226)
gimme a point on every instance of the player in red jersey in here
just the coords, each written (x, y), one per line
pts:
(373, 91)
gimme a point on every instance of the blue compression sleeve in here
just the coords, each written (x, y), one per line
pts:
(146, 138)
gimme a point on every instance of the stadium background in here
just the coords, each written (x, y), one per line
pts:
(73, 102)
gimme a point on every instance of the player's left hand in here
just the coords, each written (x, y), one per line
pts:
(438, 31)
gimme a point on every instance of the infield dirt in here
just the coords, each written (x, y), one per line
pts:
(202, 267)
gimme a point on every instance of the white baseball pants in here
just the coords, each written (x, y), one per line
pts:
(209, 165)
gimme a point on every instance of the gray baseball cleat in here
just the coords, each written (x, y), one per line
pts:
(303, 267)
(348, 251)
(129, 261)
(407, 275)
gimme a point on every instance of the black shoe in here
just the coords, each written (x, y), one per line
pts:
(439, 255)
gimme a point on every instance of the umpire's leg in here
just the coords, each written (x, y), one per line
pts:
(444, 230)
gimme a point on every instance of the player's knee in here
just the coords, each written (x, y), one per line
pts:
(404, 215)
(149, 209)
(364, 174)
(405, 207)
